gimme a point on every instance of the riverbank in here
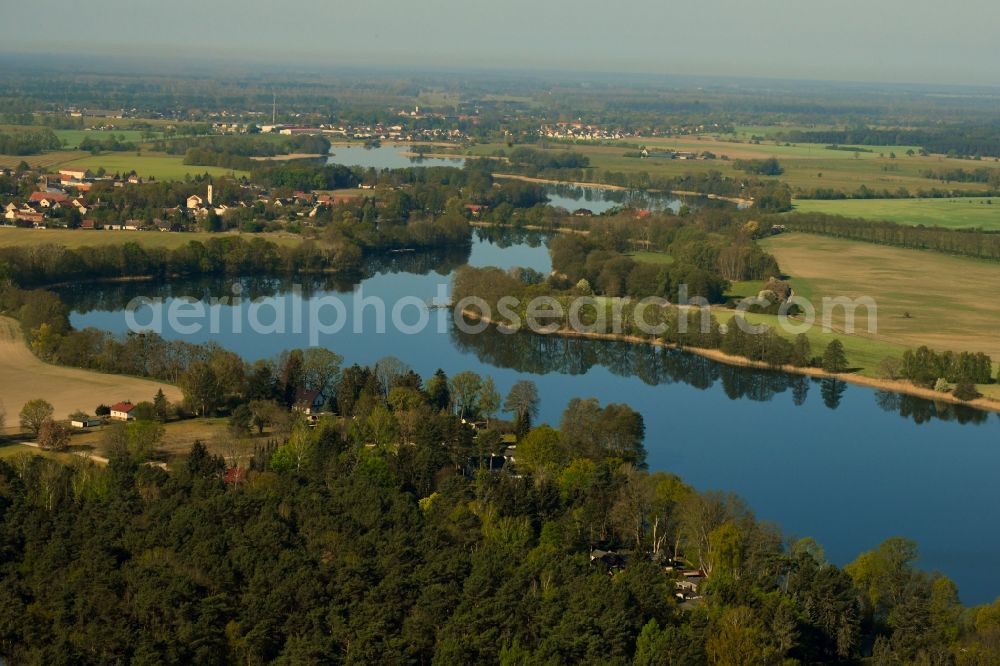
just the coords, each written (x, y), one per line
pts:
(894, 386)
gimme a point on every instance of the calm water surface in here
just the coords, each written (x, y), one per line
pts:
(844, 464)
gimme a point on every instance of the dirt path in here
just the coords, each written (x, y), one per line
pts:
(24, 377)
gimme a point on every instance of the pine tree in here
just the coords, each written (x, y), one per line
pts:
(834, 358)
(160, 406)
(801, 351)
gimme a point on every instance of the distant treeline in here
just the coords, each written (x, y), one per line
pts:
(965, 242)
(865, 192)
(225, 255)
(965, 141)
(28, 143)
(980, 175)
(767, 167)
(234, 152)
(249, 145)
(304, 177)
(112, 144)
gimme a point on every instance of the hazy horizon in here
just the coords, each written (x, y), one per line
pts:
(842, 40)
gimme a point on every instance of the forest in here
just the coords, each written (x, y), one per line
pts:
(402, 535)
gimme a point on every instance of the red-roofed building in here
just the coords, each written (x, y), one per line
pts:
(475, 209)
(48, 199)
(122, 411)
(88, 224)
(234, 476)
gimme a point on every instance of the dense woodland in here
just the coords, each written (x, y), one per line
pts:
(394, 537)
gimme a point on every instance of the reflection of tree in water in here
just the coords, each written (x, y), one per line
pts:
(543, 354)
(113, 296)
(509, 236)
(832, 391)
(920, 410)
(800, 390)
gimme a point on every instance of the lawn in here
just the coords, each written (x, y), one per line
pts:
(75, 238)
(10, 451)
(968, 212)
(653, 258)
(156, 165)
(178, 437)
(922, 297)
(863, 353)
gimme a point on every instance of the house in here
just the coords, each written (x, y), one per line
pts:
(30, 216)
(66, 175)
(122, 411)
(194, 201)
(234, 476)
(491, 463)
(309, 402)
(88, 224)
(48, 199)
(610, 559)
(474, 209)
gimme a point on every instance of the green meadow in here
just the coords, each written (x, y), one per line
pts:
(156, 165)
(965, 212)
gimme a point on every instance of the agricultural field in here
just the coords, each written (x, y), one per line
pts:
(76, 238)
(807, 166)
(71, 138)
(959, 213)
(68, 389)
(922, 297)
(157, 165)
(43, 161)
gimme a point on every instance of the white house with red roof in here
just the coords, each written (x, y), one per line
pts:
(122, 411)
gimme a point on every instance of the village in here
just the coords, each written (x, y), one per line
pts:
(76, 199)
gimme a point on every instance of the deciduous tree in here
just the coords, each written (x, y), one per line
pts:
(34, 413)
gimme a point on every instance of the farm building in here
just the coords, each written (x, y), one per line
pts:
(122, 411)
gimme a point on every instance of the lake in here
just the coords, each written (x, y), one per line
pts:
(841, 463)
(571, 197)
(386, 156)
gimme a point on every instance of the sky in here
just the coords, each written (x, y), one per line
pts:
(911, 41)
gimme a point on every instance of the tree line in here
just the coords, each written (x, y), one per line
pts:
(966, 242)
(965, 140)
(28, 143)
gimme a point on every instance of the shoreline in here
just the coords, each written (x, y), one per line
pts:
(619, 188)
(895, 386)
